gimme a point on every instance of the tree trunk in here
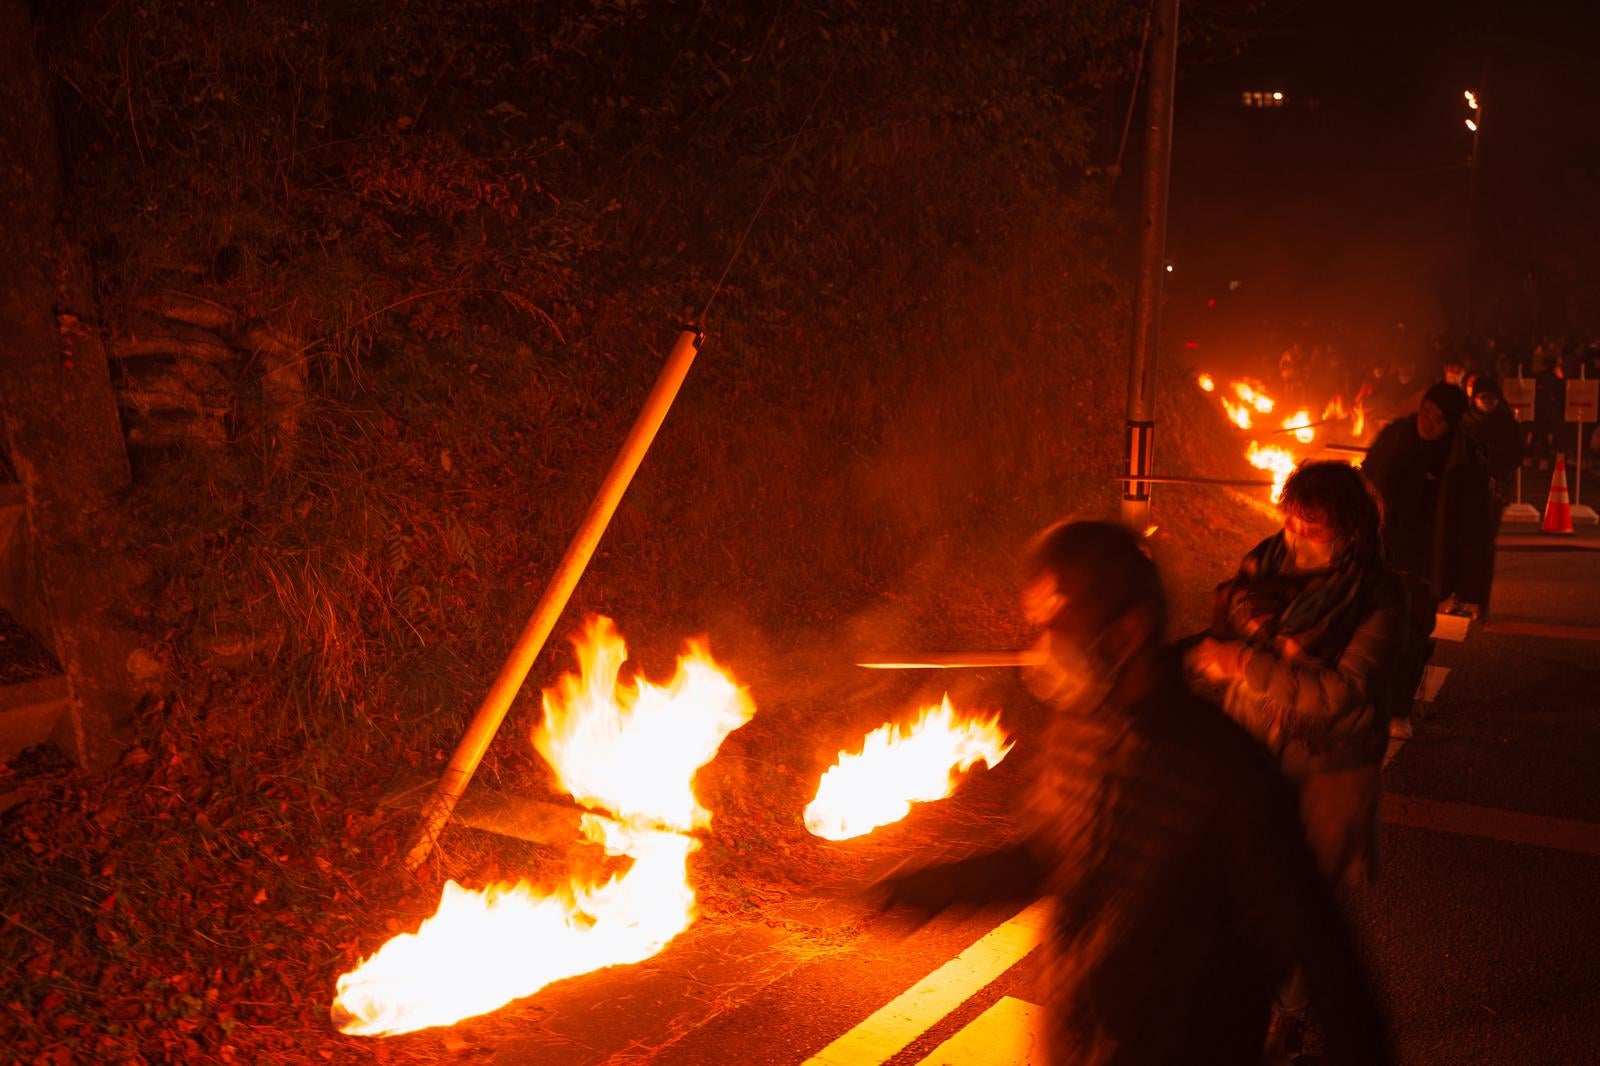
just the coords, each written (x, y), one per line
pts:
(60, 418)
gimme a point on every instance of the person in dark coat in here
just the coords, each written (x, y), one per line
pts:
(1434, 485)
(1490, 424)
(1171, 845)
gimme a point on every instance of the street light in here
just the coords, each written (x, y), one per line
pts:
(1473, 122)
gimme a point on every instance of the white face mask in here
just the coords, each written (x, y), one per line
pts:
(1069, 677)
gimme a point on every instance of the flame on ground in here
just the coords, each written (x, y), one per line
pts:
(1280, 462)
(1238, 413)
(1300, 422)
(898, 766)
(1250, 393)
(1206, 382)
(631, 750)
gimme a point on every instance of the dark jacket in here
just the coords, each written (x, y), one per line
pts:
(1437, 508)
(1499, 436)
(1185, 891)
(1323, 718)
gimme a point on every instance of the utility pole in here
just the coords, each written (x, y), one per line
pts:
(1152, 263)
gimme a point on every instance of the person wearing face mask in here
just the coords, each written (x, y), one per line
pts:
(1304, 642)
(1433, 481)
(1171, 845)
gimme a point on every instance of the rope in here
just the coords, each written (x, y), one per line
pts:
(777, 175)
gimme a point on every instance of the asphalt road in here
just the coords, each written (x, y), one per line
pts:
(1486, 946)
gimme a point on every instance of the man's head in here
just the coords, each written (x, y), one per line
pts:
(1329, 510)
(1441, 408)
(1092, 588)
(1485, 394)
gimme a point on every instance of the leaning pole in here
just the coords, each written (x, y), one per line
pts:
(1146, 334)
(492, 711)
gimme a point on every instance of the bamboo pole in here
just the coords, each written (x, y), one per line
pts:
(492, 711)
(954, 660)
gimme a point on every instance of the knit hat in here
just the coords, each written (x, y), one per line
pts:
(1449, 399)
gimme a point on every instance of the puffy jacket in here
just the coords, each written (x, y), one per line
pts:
(1320, 718)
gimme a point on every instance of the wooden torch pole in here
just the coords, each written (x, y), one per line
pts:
(492, 711)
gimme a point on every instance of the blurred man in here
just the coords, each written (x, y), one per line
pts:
(1436, 520)
(1491, 426)
(1184, 888)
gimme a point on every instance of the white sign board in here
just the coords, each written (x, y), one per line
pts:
(1583, 396)
(1519, 394)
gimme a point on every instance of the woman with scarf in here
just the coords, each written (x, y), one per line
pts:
(1305, 641)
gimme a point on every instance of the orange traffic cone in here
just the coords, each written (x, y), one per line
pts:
(1558, 509)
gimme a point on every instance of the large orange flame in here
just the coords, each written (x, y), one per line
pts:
(898, 766)
(631, 750)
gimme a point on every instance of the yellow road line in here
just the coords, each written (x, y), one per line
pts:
(1010, 1033)
(913, 1012)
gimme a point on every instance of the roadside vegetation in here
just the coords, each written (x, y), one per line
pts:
(448, 246)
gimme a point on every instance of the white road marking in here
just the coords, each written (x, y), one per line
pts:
(1492, 823)
(891, 1028)
(1010, 1033)
(1432, 681)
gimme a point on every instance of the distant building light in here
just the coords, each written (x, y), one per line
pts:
(1252, 98)
(1169, 268)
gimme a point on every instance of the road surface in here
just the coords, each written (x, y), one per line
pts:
(1484, 927)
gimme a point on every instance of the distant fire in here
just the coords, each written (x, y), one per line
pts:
(1238, 413)
(1250, 393)
(628, 749)
(1250, 399)
(1300, 422)
(1279, 462)
(898, 766)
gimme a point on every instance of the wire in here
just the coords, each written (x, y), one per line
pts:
(1133, 94)
(777, 175)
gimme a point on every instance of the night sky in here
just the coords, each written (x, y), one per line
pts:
(1345, 212)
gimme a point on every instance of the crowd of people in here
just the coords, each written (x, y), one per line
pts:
(1204, 813)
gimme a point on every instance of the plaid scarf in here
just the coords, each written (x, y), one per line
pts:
(1303, 617)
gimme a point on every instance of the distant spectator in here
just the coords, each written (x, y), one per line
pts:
(1434, 483)
(1491, 426)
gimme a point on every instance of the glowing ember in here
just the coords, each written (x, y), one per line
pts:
(1206, 383)
(1300, 422)
(897, 767)
(631, 750)
(1279, 461)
